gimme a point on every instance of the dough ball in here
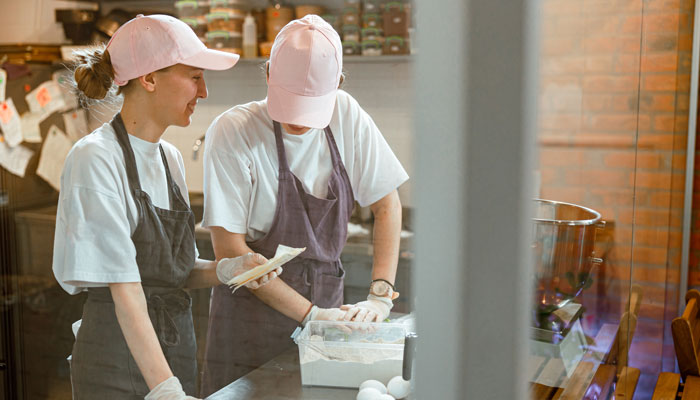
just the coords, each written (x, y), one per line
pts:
(374, 384)
(398, 387)
(369, 394)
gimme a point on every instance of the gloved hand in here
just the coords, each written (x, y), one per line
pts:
(169, 389)
(227, 268)
(374, 309)
(323, 314)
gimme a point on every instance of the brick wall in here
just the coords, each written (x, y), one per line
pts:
(615, 77)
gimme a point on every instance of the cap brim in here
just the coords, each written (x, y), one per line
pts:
(291, 108)
(212, 59)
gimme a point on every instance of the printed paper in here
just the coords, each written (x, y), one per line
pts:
(30, 127)
(46, 99)
(283, 255)
(15, 159)
(53, 156)
(10, 123)
(76, 124)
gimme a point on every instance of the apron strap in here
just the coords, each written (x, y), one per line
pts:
(171, 183)
(132, 172)
(335, 154)
(281, 153)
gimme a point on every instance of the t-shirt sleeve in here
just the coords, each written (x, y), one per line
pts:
(92, 243)
(93, 240)
(228, 183)
(376, 170)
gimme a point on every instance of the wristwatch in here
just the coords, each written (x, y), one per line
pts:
(383, 288)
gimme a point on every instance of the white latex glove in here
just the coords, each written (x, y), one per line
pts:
(324, 314)
(169, 389)
(374, 309)
(227, 268)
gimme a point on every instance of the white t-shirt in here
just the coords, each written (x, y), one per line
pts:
(241, 164)
(96, 210)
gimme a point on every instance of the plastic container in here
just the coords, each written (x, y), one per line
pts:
(371, 6)
(351, 48)
(371, 48)
(276, 17)
(350, 17)
(250, 37)
(226, 6)
(191, 8)
(396, 45)
(328, 356)
(372, 34)
(352, 4)
(395, 19)
(198, 25)
(226, 41)
(371, 21)
(351, 32)
(225, 21)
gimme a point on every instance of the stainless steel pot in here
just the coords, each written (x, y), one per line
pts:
(564, 236)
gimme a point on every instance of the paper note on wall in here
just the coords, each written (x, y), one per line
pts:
(3, 83)
(63, 81)
(15, 159)
(30, 127)
(10, 123)
(46, 99)
(53, 156)
(76, 124)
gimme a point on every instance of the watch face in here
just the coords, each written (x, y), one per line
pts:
(380, 288)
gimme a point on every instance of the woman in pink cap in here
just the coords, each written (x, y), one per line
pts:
(287, 170)
(124, 229)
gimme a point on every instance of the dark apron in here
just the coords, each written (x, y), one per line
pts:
(102, 366)
(244, 333)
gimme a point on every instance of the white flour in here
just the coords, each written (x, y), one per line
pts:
(347, 364)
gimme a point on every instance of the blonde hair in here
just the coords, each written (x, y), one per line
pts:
(93, 72)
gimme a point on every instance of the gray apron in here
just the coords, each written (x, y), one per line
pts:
(102, 366)
(244, 333)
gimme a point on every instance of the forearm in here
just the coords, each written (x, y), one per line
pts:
(276, 294)
(203, 275)
(386, 237)
(132, 315)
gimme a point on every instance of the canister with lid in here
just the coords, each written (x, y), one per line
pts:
(276, 17)
(191, 8)
(371, 48)
(351, 32)
(395, 45)
(226, 41)
(231, 21)
(396, 19)
(351, 48)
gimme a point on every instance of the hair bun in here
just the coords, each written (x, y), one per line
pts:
(94, 75)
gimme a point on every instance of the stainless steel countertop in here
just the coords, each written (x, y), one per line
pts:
(279, 378)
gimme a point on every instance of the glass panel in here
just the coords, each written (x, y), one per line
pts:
(613, 113)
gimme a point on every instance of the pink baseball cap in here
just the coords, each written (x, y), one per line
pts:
(149, 43)
(306, 62)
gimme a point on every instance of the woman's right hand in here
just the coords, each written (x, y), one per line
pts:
(228, 268)
(169, 389)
